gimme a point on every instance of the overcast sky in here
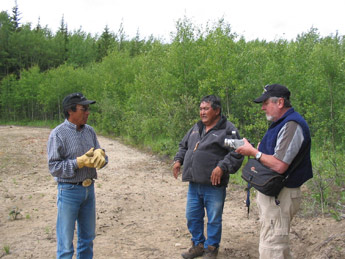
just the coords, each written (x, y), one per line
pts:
(262, 19)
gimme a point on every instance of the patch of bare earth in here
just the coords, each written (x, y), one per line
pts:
(140, 208)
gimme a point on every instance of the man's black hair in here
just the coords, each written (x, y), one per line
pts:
(214, 101)
(72, 107)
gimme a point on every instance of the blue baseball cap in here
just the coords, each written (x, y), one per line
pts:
(274, 90)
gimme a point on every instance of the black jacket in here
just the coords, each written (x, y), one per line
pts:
(200, 156)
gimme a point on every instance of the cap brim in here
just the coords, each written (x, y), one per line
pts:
(86, 102)
(262, 98)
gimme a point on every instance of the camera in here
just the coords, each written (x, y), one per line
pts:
(233, 143)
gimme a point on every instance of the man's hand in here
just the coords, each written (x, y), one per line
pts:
(247, 149)
(176, 168)
(216, 175)
(85, 160)
(98, 158)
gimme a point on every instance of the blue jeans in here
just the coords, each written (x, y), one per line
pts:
(212, 198)
(75, 204)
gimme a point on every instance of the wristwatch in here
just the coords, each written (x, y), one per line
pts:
(258, 156)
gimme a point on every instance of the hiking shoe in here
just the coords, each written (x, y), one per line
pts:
(194, 251)
(211, 252)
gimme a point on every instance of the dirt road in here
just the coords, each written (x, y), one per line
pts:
(140, 208)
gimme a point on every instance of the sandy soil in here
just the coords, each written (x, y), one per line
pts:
(140, 208)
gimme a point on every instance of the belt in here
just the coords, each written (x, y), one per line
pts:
(85, 183)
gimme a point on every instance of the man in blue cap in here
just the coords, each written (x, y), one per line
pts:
(286, 139)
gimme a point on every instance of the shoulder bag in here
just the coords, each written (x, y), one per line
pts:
(262, 178)
(265, 180)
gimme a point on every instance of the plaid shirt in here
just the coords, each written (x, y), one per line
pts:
(65, 144)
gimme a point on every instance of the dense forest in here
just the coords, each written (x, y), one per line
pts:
(148, 91)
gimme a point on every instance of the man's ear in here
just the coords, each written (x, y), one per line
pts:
(281, 102)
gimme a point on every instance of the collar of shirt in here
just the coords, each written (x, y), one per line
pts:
(72, 125)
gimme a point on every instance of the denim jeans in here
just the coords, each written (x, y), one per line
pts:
(75, 204)
(212, 198)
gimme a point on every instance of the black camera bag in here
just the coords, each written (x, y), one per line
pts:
(265, 180)
(262, 178)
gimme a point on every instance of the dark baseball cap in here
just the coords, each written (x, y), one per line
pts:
(76, 98)
(274, 90)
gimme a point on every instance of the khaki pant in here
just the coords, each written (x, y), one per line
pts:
(275, 222)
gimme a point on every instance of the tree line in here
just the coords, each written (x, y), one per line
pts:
(22, 47)
(148, 91)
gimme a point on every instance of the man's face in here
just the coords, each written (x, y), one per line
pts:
(273, 110)
(207, 115)
(80, 116)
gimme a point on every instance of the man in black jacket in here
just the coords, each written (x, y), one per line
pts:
(207, 164)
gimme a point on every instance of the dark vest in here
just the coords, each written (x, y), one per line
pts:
(304, 171)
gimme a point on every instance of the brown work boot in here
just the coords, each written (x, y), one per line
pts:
(194, 251)
(211, 252)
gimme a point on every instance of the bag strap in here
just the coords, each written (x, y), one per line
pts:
(248, 198)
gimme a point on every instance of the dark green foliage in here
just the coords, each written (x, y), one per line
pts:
(15, 18)
(104, 44)
(148, 92)
(5, 32)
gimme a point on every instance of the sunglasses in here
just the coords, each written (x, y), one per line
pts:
(85, 109)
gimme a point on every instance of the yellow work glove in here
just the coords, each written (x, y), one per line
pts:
(85, 160)
(98, 158)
